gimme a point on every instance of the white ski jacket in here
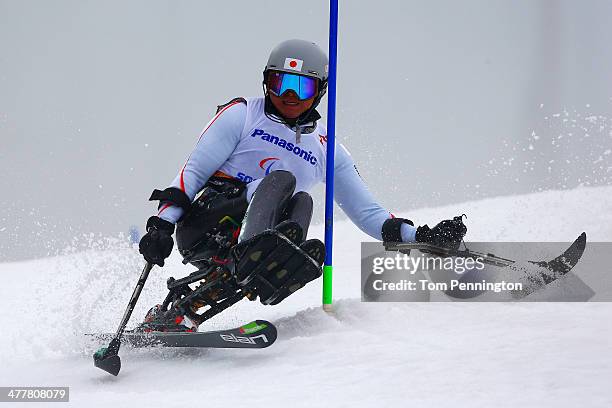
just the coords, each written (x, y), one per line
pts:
(242, 142)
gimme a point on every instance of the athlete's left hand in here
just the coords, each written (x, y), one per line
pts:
(447, 233)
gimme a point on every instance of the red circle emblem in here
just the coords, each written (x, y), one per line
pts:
(293, 64)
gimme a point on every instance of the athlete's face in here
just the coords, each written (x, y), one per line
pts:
(289, 105)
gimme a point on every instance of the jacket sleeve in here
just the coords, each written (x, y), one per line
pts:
(217, 142)
(352, 195)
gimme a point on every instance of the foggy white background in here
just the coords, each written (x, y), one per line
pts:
(438, 101)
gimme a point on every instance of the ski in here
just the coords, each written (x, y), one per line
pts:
(256, 334)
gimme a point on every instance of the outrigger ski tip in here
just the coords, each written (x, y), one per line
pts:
(107, 358)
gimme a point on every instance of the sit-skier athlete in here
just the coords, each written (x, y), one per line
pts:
(251, 171)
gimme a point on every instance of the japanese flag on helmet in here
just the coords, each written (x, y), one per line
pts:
(293, 64)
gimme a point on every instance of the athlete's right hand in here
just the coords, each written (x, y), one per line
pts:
(156, 245)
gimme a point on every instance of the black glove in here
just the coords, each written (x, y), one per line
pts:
(447, 233)
(157, 243)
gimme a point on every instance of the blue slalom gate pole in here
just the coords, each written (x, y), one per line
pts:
(329, 171)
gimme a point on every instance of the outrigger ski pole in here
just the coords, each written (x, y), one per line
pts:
(107, 358)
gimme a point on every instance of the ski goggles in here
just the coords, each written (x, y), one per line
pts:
(281, 82)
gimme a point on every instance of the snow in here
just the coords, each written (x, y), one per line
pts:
(361, 355)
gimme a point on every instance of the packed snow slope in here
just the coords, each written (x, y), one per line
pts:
(362, 355)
